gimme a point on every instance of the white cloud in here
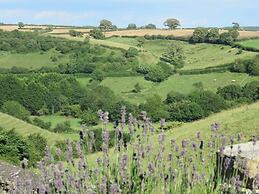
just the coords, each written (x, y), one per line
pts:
(63, 15)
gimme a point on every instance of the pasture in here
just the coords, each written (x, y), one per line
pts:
(197, 55)
(123, 86)
(25, 129)
(55, 119)
(31, 61)
(253, 43)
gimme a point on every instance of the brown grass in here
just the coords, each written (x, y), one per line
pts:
(142, 32)
(177, 33)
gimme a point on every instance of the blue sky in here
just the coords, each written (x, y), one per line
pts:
(191, 13)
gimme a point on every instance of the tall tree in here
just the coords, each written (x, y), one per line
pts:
(105, 25)
(172, 23)
(20, 25)
(132, 26)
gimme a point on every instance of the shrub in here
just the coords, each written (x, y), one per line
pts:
(131, 52)
(89, 118)
(97, 34)
(155, 108)
(174, 55)
(156, 74)
(63, 128)
(15, 109)
(40, 123)
(185, 111)
(230, 92)
(208, 101)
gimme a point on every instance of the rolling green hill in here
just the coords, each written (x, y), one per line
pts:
(123, 86)
(8, 122)
(253, 43)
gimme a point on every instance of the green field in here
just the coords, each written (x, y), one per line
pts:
(123, 86)
(54, 120)
(253, 43)
(197, 55)
(30, 61)
(8, 122)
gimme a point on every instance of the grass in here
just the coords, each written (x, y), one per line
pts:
(55, 119)
(30, 60)
(253, 43)
(8, 122)
(197, 55)
(123, 86)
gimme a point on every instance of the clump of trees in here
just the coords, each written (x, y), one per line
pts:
(132, 26)
(249, 66)
(174, 55)
(205, 35)
(14, 148)
(75, 33)
(97, 34)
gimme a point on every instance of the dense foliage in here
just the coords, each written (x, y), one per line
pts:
(201, 35)
(14, 148)
(250, 66)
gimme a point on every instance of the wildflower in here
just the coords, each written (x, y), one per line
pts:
(104, 185)
(162, 123)
(114, 188)
(198, 135)
(184, 143)
(58, 152)
(215, 126)
(151, 167)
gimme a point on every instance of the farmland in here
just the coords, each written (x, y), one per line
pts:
(25, 129)
(123, 86)
(30, 61)
(131, 105)
(253, 43)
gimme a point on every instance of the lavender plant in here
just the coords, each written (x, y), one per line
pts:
(149, 163)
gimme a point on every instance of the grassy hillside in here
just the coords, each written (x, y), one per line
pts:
(123, 86)
(8, 122)
(30, 60)
(197, 55)
(253, 43)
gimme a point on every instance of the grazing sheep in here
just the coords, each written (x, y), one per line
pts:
(215, 80)
(233, 81)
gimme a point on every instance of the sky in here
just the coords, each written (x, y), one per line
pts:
(191, 13)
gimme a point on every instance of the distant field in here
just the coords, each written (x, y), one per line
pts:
(54, 120)
(177, 33)
(253, 43)
(29, 60)
(123, 86)
(8, 122)
(197, 55)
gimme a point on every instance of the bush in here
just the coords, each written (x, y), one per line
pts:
(155, 108)
(14, 148)
(63, 128)
(185, 111)
(89, 118)
(173, 97)
(131, 52)
(156, 74)
(97, 34)
(15, 109)
(40, 123)
(230, 92)
(208, 101)
(174, 55)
